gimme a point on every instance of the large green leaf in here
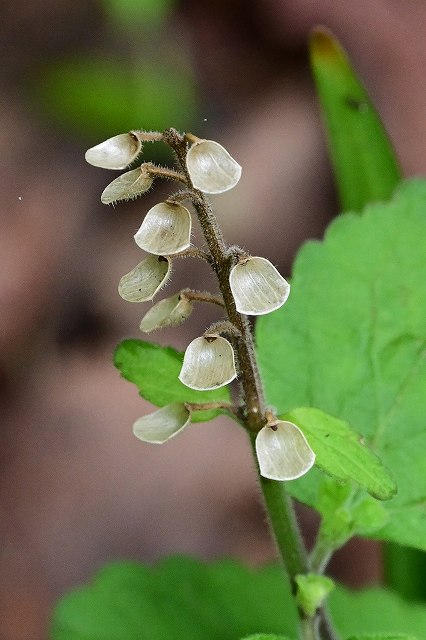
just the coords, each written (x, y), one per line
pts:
(363, 159)
(351, 341)
(154, 370)
(183, 598)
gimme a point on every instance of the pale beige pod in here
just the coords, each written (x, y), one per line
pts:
(115, 153)
(127, 186)
(211, 168)
(208, 363)
(283, 452)
(165, 230)
(143, 282)
(169, 312)
(160, 426)
(257, 286)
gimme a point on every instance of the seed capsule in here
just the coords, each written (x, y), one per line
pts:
(160, 426)
(115, 153)
(208, 363)
(143, 282)
(283, 451)
(257, 287)
(211, 168)
(128, 186)
(167, 313)
(165, 230)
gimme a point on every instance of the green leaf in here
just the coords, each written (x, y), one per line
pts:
(363, 159)
(183, 598)
(312, 590)
(341, 452)
(100, 98)
(154, 370)
(351, 341)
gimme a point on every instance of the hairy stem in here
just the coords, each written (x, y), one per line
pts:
(253, 413)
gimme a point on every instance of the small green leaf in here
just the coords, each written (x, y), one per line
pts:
(184, 598)
(351, 341)
(364, 162)
(312, 590)
(347, 513)
(341, 452)
(154, 370)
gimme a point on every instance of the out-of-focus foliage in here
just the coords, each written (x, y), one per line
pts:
(143, 79)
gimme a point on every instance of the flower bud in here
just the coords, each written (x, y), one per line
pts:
(211, 168)
(283, 451)
(165, 230)
(115, 153)
(257, 286)
(160, 426)
(128, 186)
(167, 313)
(208, 363)
(143, 282)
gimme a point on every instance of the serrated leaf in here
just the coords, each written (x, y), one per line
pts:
(364, 162)
(154, 370)
(183, 598)
(351, 341)
(341, 452)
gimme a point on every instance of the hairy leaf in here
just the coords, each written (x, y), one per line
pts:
(351, 342)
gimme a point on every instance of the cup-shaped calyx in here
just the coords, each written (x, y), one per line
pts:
(165, 230)
(128, 186)
(167, 313)
(257, 286)
(211, 168)
(143, 282)
(208, 363)
(160, 426)
(115, 153)
(283, 451)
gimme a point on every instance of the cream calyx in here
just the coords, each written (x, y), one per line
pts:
(143, 282)
(163, 424)
(116, 152)
(128, 186)
(169, 312)
(208, 363)
(257, 286)
(166, 229)
(211, 168)
(283, 452)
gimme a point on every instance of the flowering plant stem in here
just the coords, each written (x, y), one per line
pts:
(252, 411)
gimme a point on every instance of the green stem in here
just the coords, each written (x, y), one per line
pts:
(253, 413)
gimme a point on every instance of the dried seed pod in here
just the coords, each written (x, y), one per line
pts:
(211, 168)
(283, 451)
(208, 363)
(115, 153)
(165, 230)
(161, 425)
(143, 282)
(167, 313)
(128, 186)
(257, 286)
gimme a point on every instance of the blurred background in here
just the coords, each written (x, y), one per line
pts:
(76, 488)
